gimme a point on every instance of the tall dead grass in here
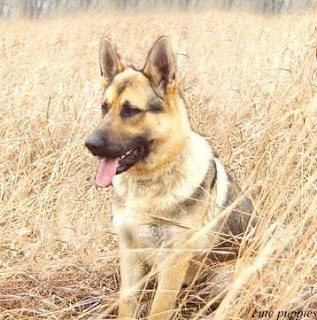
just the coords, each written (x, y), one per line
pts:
(249, 83)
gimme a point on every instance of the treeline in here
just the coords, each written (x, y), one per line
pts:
(47, 8)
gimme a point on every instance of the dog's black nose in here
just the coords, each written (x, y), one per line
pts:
(95, 144)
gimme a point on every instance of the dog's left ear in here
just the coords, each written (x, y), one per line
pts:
(109, 60)
(160, 65)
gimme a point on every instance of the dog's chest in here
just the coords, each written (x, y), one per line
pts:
(152, 235)
(139, 232)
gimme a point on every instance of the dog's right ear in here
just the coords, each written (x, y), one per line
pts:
(109, 61)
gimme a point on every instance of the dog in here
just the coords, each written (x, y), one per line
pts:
(173, 198)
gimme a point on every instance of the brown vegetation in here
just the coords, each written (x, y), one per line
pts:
(249, 83)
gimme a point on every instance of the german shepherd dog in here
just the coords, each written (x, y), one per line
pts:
(173, 199)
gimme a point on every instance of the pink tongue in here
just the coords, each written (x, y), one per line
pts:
(106, 171)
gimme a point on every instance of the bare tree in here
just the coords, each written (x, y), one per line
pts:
(85, 4)
(39, 7)
(1, 7)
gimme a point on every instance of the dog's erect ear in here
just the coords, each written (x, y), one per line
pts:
(160, 65)
(109, 61)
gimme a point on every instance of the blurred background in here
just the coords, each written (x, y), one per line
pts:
(49, 8)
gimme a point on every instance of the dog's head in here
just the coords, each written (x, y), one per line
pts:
(143, 119)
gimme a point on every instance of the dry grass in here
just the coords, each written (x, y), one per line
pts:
(249, 84)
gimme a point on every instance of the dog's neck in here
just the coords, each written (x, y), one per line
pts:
(176, 163)
(177, 179)
(163, 162)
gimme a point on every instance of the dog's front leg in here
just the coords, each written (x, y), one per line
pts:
(131, 275)
(171, 276)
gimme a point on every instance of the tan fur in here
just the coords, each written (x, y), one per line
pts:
(167, 207)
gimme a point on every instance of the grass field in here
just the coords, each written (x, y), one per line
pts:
(249, 83)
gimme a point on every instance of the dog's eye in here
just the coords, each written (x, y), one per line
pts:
(104, 108)
(128, 111)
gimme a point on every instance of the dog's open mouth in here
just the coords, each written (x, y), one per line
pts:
(109, 167)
